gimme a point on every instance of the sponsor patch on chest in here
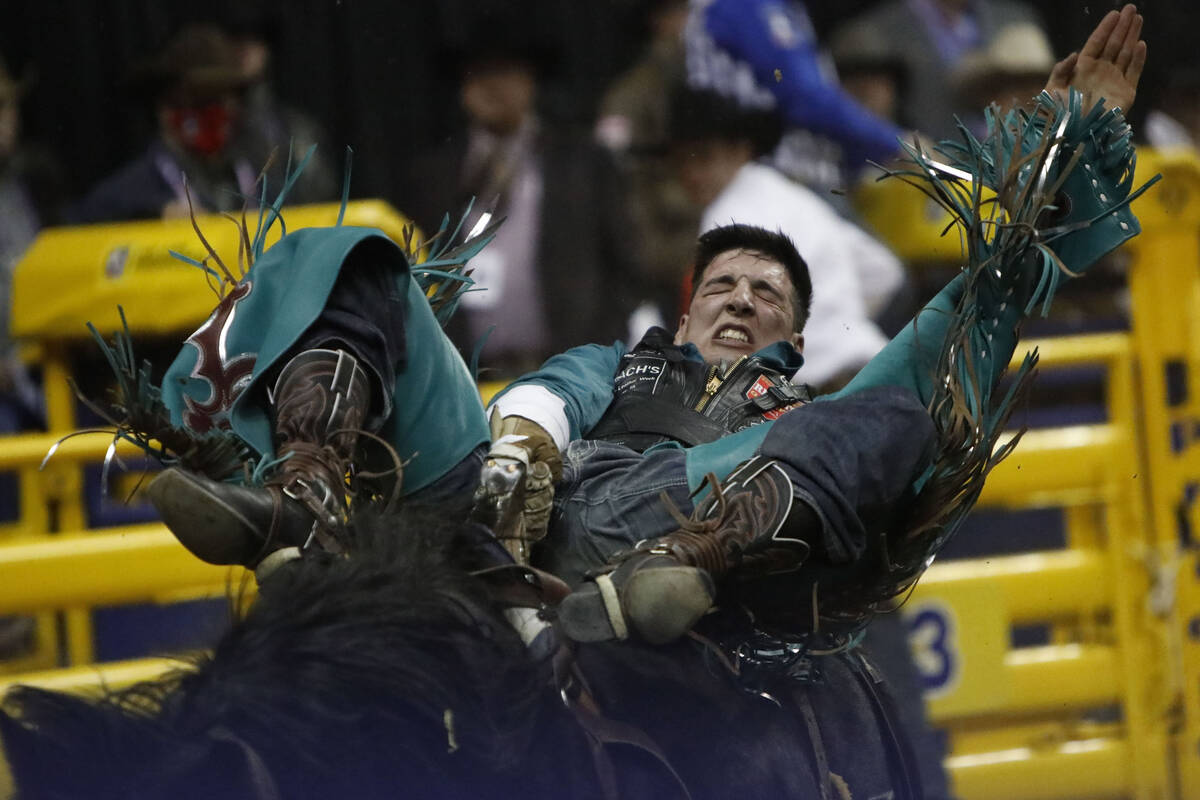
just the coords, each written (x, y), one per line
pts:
(640, 374)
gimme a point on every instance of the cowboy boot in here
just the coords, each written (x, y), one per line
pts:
(318, 406)
(747, 527)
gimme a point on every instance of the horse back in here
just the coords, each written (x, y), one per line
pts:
(832, 735)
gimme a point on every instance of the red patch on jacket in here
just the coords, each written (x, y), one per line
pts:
(760, 387)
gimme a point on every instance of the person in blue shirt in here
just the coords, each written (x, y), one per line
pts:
(764, 54)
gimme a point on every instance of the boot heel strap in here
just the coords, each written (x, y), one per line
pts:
(612, 605)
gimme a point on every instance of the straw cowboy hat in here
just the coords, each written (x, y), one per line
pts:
(1018, 52)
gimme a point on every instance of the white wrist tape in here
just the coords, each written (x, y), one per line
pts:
(539, 404)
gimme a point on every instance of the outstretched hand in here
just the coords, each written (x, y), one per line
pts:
(1109, 65)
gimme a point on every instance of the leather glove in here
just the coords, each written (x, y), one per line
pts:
(539, 500)
(524, 445)
(537, 442)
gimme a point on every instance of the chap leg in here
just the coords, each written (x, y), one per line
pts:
(822, 477)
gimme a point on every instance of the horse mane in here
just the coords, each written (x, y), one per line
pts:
(349, 676)
(392, 673)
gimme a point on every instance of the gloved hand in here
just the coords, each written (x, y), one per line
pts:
(539, 500)
(520, 447)
(535, 441)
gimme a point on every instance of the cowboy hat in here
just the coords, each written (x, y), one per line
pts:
(198, 60)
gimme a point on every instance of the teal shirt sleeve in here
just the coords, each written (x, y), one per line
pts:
(908, 360)
(583, 378)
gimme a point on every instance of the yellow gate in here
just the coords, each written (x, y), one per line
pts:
(1085, 715)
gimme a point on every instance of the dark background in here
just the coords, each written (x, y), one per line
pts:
(373, 72)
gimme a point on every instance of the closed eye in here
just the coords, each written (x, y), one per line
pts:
(719, 285)
(723, 284)
(768, 292)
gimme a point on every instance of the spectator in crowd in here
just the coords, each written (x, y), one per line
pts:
(633, 125)
(195, 87)
(931, 37)
(853, 275)
(561, 270)
(764, 55)
(31, 194)
(871, 72)
(1008, 72)
(268, 125)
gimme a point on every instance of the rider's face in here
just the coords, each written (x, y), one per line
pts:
(744, 302)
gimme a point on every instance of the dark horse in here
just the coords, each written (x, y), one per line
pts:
(394, 673)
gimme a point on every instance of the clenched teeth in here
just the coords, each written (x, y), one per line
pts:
(733, 333)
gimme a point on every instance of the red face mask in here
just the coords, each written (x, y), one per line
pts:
(204, 130)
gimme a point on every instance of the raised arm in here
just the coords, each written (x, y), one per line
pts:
(1110, 64)
(1108, 67)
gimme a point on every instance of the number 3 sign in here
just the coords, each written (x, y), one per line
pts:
(959, 635)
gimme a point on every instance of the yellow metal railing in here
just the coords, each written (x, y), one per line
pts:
(1017, 716)
(118, 565)
(1165, 289)
(92, 677)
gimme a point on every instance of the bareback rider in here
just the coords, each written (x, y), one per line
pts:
(329, 335)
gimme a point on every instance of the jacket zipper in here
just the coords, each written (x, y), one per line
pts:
(713, 382)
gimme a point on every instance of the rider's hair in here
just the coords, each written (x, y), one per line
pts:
(773, 245)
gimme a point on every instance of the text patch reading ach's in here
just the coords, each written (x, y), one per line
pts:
(640, 374)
